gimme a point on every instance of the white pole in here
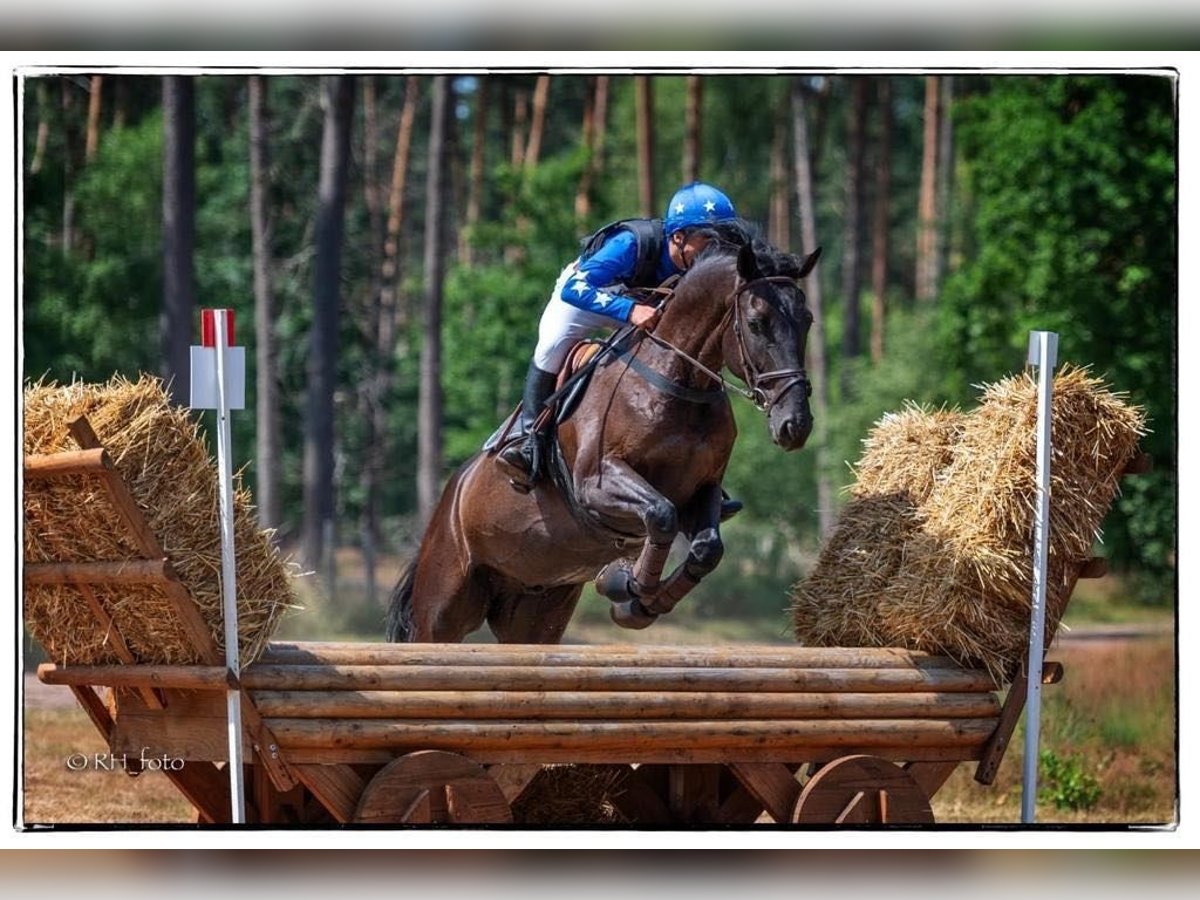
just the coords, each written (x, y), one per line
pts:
(1043, 353)
(237, 800)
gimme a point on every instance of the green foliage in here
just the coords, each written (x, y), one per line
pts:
(492, 309)
(1065, 783)
(1070, 186)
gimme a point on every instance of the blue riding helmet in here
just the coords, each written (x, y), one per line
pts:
(696, 204)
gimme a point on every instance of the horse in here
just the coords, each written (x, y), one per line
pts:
(639, 461)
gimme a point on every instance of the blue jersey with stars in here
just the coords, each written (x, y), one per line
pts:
(612, 265)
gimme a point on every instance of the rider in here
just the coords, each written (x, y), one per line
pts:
(590, 294)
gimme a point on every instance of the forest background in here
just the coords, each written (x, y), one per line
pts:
(388, 241)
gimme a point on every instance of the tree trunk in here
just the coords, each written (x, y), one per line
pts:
(927, 203)
(945, 176)
(43, 127)
(392, 315)
(268, 442)
(644, 103)
(71, 164)
(879, 241)
(594, 114)
(93, 119)
(429, 414)
(691, 135)
(338, 101)
(537, 126)
(816, 338)
(179, 231)
(851, 255)
(371, 185)
(385, 321)
(520, 116)
(780, 208)
(475, 189)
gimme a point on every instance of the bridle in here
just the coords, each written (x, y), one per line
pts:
(756, 379)
(757, 394)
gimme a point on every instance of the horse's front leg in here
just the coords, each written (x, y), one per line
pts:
(620, 493)
(704, 554)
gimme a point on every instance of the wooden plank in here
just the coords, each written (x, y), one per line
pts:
(206, 787)
(930, 776)
(337, 788)
(692, 792)
(641, 798)
(634, 737)
(95, 709)
(621, 705)
(773, 785)
(513, 778)
(130, 571)
(69, 462)
(210, 678)
(266, 746)
(262, 676)
(1010, 714)
(458, 655)
(193, 727)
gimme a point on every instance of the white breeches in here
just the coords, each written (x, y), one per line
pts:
(562, 325)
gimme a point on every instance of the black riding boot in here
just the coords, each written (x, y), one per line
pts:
(517, 458)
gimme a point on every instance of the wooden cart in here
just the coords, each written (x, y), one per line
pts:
(390, 734)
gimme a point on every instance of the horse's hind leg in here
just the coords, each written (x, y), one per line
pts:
(533, 618)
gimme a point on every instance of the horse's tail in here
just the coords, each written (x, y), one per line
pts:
(399, 614)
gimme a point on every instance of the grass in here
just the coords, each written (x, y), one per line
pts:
(1113, 713)
(55, 793)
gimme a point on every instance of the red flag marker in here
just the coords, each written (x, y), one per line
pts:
(208, 327)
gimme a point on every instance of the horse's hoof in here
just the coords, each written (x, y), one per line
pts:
(631, 614)
(615, 582)
(730, 508)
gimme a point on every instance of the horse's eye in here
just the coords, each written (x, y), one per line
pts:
(757, 325)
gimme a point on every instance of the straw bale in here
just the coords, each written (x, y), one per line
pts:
(572, 795)
(934, 550)
(158, 450)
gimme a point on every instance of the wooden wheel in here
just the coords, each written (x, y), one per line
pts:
(432, 786)
(862, 790)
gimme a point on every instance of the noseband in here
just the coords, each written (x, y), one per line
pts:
(757, 380)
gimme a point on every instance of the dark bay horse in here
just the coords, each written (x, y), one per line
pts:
(639, 461)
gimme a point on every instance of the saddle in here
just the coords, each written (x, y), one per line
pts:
(569, 390)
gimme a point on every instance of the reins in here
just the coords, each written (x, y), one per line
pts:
(756, 393)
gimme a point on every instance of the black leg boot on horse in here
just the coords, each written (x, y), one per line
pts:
(521, 457)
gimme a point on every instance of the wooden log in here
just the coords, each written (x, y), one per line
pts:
(620, 705)
(799, 736)
(69, 462)
(164, 676)
(130, 571)
(666, 754)
(598, 678)
(337, 788)
(766, 656)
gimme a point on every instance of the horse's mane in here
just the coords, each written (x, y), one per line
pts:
(730, 236)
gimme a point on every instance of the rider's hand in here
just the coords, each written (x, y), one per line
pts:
(643, 316)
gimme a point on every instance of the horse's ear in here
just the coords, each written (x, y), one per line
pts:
(809, 262)
(747, 263)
